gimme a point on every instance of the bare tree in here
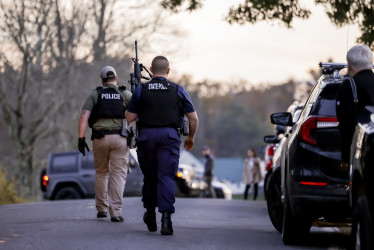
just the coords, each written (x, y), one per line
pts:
(49, 50)
(32, 91)
(117, 24)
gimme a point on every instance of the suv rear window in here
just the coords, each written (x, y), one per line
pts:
(64, 164)
(326, 101)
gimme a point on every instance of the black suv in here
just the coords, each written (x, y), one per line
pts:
(313, 178)
(361, 187)
(273, 184)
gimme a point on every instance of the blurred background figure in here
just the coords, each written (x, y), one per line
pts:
(208, 172)
(251, 173)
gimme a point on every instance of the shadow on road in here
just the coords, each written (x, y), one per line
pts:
(323, 239)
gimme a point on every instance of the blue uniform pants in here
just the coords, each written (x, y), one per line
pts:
(158, 155)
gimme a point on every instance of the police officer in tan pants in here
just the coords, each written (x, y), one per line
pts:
(104, 111)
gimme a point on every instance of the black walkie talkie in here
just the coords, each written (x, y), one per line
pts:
(184, 126)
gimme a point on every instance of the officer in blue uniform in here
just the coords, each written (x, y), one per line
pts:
(159, 106)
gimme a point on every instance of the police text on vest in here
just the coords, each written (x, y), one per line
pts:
(111, 96)
(156, 86)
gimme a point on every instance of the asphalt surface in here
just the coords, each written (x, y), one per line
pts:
(198, 224)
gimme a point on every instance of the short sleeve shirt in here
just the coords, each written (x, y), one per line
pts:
(91, 101)
(186, 102)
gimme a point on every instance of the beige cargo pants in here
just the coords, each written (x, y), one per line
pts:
(111, 155)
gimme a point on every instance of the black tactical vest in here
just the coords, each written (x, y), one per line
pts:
(109, 105)
(160, 105)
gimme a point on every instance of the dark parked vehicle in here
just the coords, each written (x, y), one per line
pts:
(272, 144)
(313, 179)
(189, 183)
(71, 175)
(272, 186)
(361, 188)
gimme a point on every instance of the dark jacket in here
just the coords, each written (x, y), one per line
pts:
(347, 112)
(209, 164)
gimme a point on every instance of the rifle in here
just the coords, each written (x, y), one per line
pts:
(135, 81)
(135, 78)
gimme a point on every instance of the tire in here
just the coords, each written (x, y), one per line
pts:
(67, 193)
(294, 229)
(273, 201)
(266, 181)
(362, 228)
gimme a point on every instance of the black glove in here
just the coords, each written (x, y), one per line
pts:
(81, 145)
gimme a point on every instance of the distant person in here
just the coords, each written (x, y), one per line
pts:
(104, 111)
(208, 172)
(360, 68)
(251, 173)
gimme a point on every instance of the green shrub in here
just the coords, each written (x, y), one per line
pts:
(8, 193)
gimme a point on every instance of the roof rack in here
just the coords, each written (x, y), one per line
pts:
(332, 68)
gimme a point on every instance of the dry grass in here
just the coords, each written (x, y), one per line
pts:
(8, 193)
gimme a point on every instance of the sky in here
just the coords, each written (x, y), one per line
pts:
(259, 53)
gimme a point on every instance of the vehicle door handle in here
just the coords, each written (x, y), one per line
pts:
(86, 175)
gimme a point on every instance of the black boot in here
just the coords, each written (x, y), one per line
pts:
(149, 219)
(166, 224)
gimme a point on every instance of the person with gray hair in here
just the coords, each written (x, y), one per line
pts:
(359, 57)
(348, 111)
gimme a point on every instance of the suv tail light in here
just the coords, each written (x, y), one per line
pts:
(309, 183)
(315, 122)
(45, 180)
(269, 154)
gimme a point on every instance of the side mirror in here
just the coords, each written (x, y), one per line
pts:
(282, 118)
(271, 139)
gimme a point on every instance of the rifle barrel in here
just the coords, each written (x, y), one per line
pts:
(136, 51)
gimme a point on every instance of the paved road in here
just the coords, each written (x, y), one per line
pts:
(198, 224)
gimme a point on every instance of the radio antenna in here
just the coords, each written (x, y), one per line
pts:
(347, 36)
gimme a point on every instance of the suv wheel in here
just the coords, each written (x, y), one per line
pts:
(67, 193)
(295, 228)
(362, 230)
(266, 181)
(274, 203)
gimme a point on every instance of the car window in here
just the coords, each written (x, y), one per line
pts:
(88, 162)
(296, 115)
(326, 101)
(306, 110)
(64, 164)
